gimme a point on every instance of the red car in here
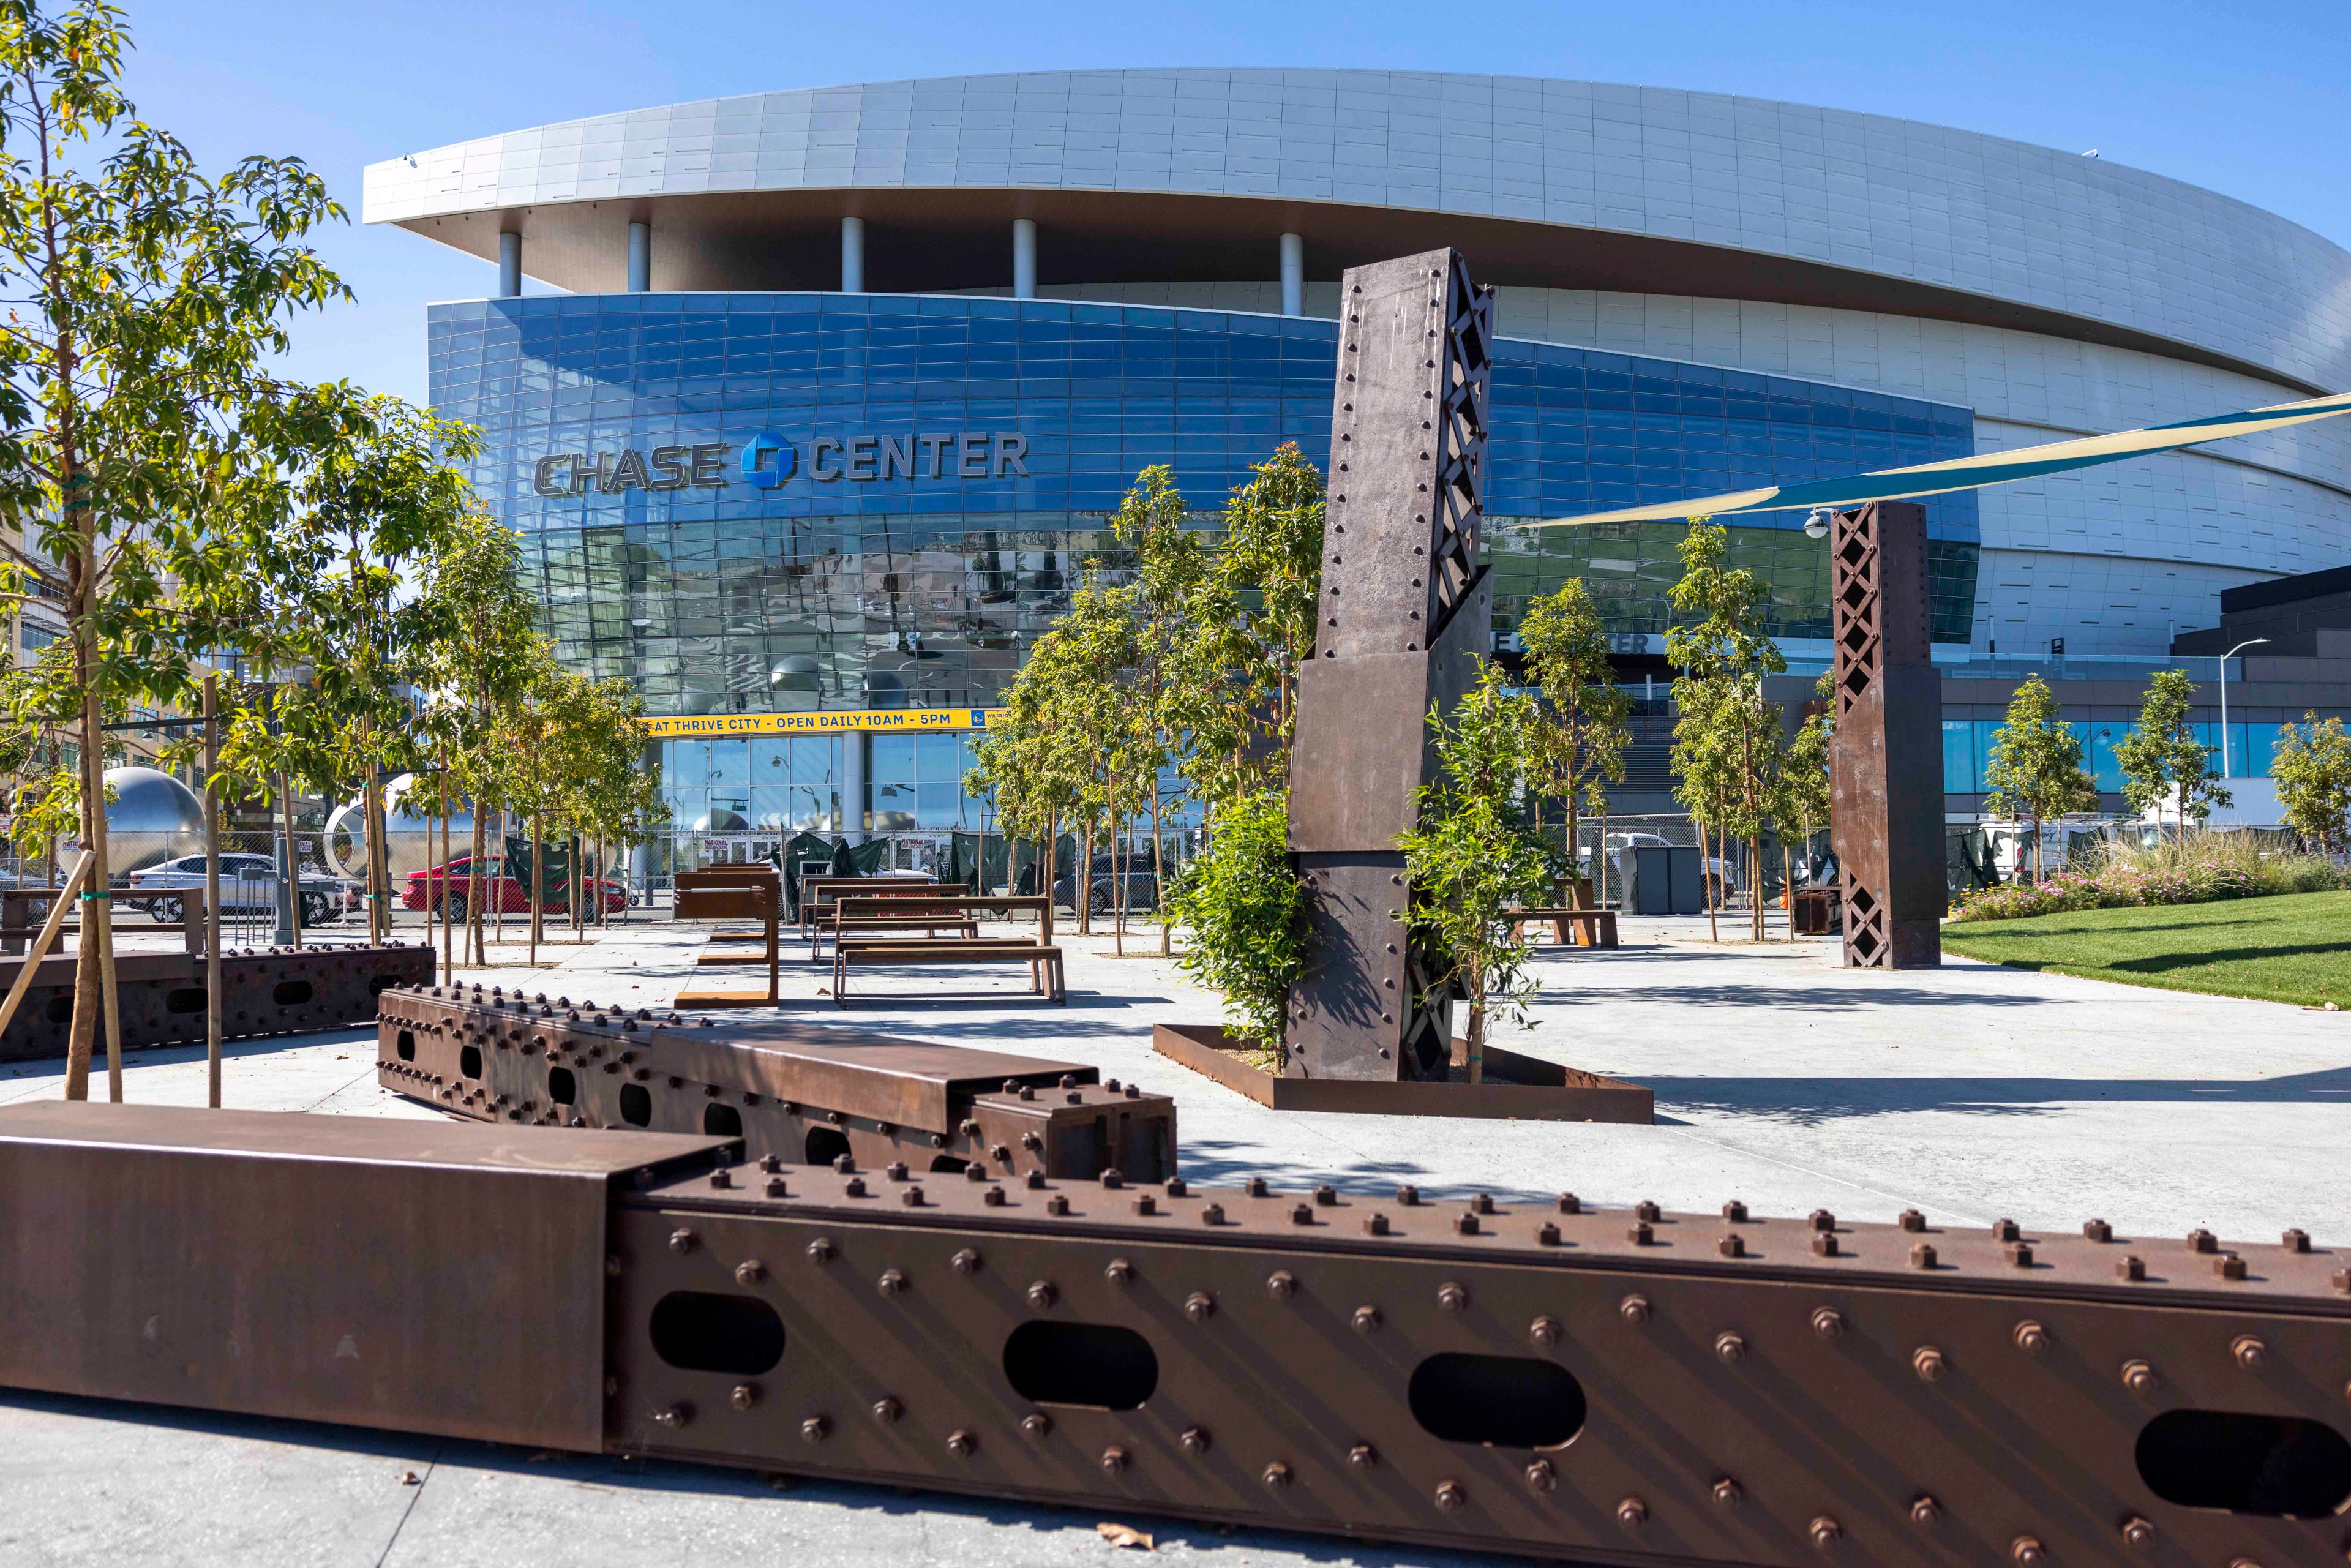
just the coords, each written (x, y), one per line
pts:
(425, 889)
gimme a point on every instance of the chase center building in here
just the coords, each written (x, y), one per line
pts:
(841, 381)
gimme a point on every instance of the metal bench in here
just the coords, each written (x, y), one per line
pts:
(1045, 973)
(756, 901)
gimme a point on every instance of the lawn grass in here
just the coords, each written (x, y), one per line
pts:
(2291, 948)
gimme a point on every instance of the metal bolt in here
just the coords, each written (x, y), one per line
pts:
(891, 1283)
(2004, 1230)
(993, 1198)
(2251, 1353)
(1930, 1364)
(1255, 1186)
(2097, 1230)
(1407, 1195)
(1175, 1187)
(1366, 1320)
(1302, 1214)
(1041, 1294)
(1632, 1513)
(1545, 1331)
(962, 1445)
(1112, 1181)
(674, 1416)
(816, 1428)
(1451, 1495)
(1113, 1460)
(2202, 1241)
(1639, 1234)
(1911, 1219)
(749, 1272)
(887, 1409)
(854, 1188)
(1057, 1206)
(2027, 1552)
(681, 1241)
(2138, 1376)
(1634, 1309)
(1199, 1306)
(1212, 1214)
(2132, 1267)
(1195, 1441)
(1282, 1284)
(1277, 1475)
(1570, 1203)
(965, 1261)
(1541, 1476)
(1037, 1424)
(745, 1395)
(2018, 1254)
(1825, 1244)
(1822, 1220)
(1729, 1348)
(1732, 1246)
(2138, 1534)
(1925, 1512)
(1119, 1272)
(1375, 1224)
(2031, 1338)
(2229, 1265)
(1451, 1298)
(1922, 1256)
(1827, 1321)
(2296, 1240)
(1826, 1532)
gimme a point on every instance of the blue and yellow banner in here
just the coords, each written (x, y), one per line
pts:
(1970, 473)
(716, 726)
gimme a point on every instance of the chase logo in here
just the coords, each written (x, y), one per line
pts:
(769, 460)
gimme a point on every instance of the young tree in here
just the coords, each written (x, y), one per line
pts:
(1471, 858)
(1580, 735)
(1171, 562)
(2036, 763)
(2312, 765)
(2162, 761)
(145, 303)
(1247, 914)
(1801, 791)
(1727, 738)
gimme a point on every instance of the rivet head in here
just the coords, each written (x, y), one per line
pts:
(1282, 1284)
(2202, 1241)
(1375, 1224)
(1119, 1272)
(1036, 1424)
(2031, 1338)
(962, 1445)
(1639, 1233)
(1113, 1460)
(1822, 1220)
(1925, 1512)
(964, 1261)
(745, 1395)
(1041, 1294)
(1632, 1513)
(1729, 1349)
(891, 1283)
(1646, 1209)
(887, 1409)
(2027, 1552)
(2250, 1352)
(1825, 1244)
(1570, 1203)
(1276, 1476)
(1922, 1256)
(1366, 1320)
(681, 1240)
(1732, 1246)
(674, 1416)
(2004, 1230)
(2140, 1377)
(2132, 1267)
(2138, 1534)
(2229, 1265)
(750, 1271)
(816, 1429)
(1911, 1219)
(1195, 1441)
(1541, 1476)
(1545, 1331)
(1199, 1306)
(1827, 1321)
(1634, 1309)
(1451, 1298)
(1930, 1364)
(2296, 1240)
(1826, 1532)
(2097, 1230)
(1735, 1212)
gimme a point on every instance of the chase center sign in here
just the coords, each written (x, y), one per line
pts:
(769, 460)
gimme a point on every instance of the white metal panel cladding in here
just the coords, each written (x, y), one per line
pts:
(2028, 224)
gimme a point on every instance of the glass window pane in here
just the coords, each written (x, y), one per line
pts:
(770, 806)
(938, 805)
(730, 762)
(935, 757)
(771, 759)
(816, 762)
(893, 759)
(689, 762)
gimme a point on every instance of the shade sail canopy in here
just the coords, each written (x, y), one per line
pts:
(1970, 473)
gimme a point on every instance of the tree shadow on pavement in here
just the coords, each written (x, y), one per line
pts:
(1812, 1101)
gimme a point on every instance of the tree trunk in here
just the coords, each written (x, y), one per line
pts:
(214, 1001)
(1118, 862)
(293, 861)
(1081, 879)
(537, 884)
(1755, 884)
(474, 951)
(1159, 872)
(1787, 886)
(1706, 881)
(505, 872)
(1475, 1053)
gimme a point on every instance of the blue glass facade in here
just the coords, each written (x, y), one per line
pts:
(900, 563)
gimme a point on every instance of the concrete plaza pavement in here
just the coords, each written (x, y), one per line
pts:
(1972, 1092)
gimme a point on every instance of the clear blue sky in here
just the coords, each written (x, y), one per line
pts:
(2248, 97)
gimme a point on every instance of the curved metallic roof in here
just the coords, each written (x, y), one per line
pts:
(1570, 184)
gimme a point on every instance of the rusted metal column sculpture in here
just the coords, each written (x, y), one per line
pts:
(1404, 617)
(1885, 765)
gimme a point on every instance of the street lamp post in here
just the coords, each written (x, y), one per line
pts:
(2231, 653)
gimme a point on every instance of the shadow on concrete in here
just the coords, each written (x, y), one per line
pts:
(632, 1473)
(1822, 997)
(1804, 1101)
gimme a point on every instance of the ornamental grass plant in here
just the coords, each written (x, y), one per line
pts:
(2194, 867)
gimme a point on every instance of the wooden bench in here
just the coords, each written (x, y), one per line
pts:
(762, 902)
(927, 921)
(815, 889)
(1045, 975)
(1597, 928)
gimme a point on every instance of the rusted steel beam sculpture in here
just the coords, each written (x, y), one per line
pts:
(798, 1092)
(263, 993)
(1885, 763)
(1404, 618)
(1534, 1377)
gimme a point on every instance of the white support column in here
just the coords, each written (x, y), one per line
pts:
(510, 266)
(1024, 258)
(853, 255)
(853, 790)
(640, 258)
(1293, 275)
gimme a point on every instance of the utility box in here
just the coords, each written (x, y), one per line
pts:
(1667, 879)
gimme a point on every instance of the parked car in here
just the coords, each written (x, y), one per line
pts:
(501, 891)
(248, 886)
(1142, 884)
